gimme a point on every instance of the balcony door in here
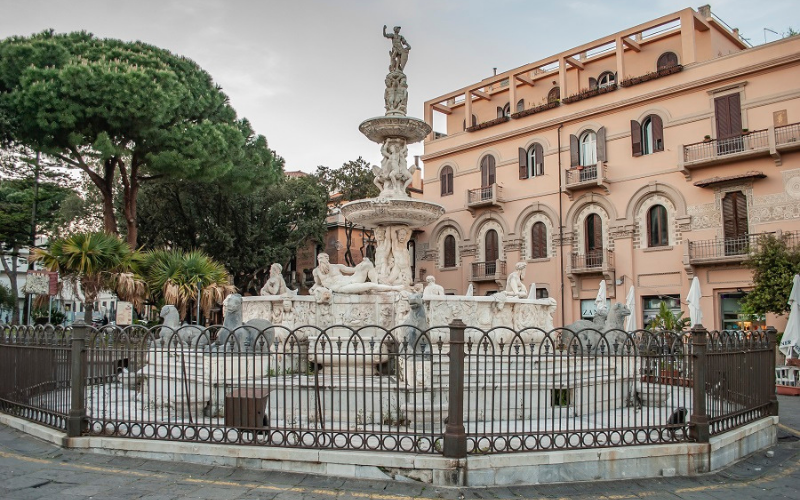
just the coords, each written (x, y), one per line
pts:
(492, 251)
(734, 222)
(593, 229)
(488, 176)
(728, 114)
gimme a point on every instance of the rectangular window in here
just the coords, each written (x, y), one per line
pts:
(588, 308)
(731, 313)
(652, 304)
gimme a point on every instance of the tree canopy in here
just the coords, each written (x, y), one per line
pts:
(774, 263)
(246, 232)
(125, 112)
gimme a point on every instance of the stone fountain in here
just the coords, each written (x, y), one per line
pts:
(394, 214)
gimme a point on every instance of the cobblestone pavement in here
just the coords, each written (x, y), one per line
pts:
(31, 469)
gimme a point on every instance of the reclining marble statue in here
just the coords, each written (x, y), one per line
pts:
(343, 279)
(276, 285)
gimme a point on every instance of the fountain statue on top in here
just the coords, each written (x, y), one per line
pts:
(394, 214)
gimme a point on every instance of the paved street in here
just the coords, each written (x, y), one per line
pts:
(31, 469)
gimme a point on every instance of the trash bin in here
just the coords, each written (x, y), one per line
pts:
(247, 408)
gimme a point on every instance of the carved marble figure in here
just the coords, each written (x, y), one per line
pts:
(432, 289)
(275, 285)
(514, 285)
(342, 279)
(398, 56)
(396, 94)
(172, 329)
(245, 335)
(400, 273)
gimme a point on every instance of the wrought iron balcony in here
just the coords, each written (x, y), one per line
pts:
(767, 142)
(731, 250)
(484, 197)
(586, 177)
(594, 261)
(488, 271)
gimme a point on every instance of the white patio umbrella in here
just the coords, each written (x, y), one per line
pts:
(791, 336)
(600, 301)
(693, 301)
(630, 321)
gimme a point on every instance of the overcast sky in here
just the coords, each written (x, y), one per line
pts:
(306, 73)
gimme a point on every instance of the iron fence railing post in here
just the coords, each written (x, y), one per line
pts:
(772, 337)
(455, 436)
(698, 423)
(77, 408)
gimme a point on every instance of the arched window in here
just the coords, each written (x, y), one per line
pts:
(504, 111)
(488, 173)
(446, 180)
(588, 148)
(607, 79)
(554, 95)
(667, 60)
(647, 137)
(535, 155)
(520, 105)
(539, 241)
(474, 122)
(449, 251)
(657, 233)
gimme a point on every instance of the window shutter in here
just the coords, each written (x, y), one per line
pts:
(485, 171)
(474, 120)
(636, 138)
(598, 233)
(523, 163)
(492, 171)
(574, 151)
(443, 182)
(658, 133)
(539, 241)
(735, 113)
(520, 105)
(538, 154)
(741, 213)
(500, 112)
(723, 118)
(592, 83)
(650, 227)
(601, 144)
(734, 215)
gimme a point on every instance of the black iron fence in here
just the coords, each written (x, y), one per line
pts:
(737, 247)
(451, 390)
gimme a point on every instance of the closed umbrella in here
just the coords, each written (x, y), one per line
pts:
(693, 301)
(600, 301)
(791, 336)
(630, 321)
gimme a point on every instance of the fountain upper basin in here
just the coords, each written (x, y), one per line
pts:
(374, 212)
(380, 128)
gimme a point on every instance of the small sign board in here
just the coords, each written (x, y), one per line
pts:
(41, 282)
(124, 313)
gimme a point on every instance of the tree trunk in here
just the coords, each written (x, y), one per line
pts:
(12, 278)
(107, 190)
(131, 191)
(348, 256)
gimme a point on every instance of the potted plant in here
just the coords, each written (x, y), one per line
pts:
(707, 138)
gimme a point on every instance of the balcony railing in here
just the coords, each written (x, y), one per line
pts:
(771, 141)
(788, 135)
(484, 196)
(591, 261)
(582, 174)
(490, 270)
(732, 249)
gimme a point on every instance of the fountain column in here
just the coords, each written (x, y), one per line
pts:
(394, 214)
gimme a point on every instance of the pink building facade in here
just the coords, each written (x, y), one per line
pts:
(644, 158)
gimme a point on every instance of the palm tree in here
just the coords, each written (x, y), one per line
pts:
(95, 261)
(177, 277)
